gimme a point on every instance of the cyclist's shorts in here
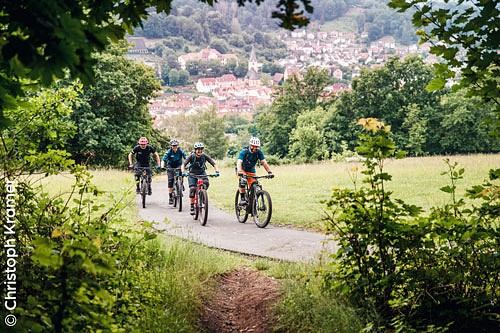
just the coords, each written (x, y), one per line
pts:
(250, 180)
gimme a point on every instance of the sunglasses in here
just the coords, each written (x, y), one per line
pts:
(254, 147)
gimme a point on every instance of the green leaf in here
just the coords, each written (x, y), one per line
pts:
(435, 84)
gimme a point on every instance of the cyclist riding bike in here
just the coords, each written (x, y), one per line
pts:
(196, 163)
(142, 153)
(247, 159)
(172, 159)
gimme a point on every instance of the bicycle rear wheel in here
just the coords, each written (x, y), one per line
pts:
(144, 191)
(262, 208)
(241, 211)
(203, 206)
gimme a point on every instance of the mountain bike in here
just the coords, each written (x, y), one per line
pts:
(178, 187)
(201, 199)
(259, 203)
(143, 183)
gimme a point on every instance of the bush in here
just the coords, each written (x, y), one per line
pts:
(429, 273)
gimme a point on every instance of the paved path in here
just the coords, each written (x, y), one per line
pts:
(223, 230)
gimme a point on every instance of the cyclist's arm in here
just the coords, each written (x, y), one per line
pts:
(212, 162)
(239, 166)
(265, 165)
(157, 158)
(183, 165)
(165, 156)
(130, 158)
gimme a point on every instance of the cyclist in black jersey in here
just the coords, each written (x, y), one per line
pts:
(142, 153)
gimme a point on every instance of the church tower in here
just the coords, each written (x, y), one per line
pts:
(253, 75)
(252, 62)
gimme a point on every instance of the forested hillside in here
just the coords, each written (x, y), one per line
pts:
(229, 28)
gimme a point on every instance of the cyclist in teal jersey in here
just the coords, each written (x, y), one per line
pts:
(247, 159)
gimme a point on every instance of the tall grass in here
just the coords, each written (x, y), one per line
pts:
(297, 190)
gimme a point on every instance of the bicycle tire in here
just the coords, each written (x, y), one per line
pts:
(144, 191)
(196, 207)
(203, 206)
(174, 196)
(262, 208)
(179, 193)
(241, 211)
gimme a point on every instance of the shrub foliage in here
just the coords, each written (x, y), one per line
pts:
(421, 273)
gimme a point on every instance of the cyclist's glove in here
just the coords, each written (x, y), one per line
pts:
(157, 167)
(217, 174)
(184, 174)
(131, 166)
(270, 174)
(240, 174)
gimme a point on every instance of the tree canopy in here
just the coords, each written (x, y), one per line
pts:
(465, 34)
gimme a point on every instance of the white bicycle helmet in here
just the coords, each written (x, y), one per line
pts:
(198, 145)
(174, 142)
(254, 141)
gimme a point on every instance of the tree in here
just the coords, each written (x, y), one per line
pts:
(461, 130)
(212, 133)
(59, 36)
(112, 113)
(465, 35)
(307, 142)
(386, 93)
(297, 95)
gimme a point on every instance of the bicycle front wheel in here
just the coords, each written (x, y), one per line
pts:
(241, 211)
(203, 204)
(174, 196)
(179, 193)
(144, 192)
(262, 209)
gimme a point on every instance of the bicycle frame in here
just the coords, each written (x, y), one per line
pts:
(144, 182)
(201, 199)
(178, 187)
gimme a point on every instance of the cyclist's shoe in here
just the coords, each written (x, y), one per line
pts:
(150, 191)
(192, 210)
(170, 201)
(138, 190)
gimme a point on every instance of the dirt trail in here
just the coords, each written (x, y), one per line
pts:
(241, 299)
(241, 302)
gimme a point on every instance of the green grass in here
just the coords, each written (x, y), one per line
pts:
(297, 190)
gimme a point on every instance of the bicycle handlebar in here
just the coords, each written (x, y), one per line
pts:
(169, 168)
(144, 168)
(200, 176)
(256, 177)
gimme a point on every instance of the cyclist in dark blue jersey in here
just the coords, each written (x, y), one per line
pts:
(172, 159)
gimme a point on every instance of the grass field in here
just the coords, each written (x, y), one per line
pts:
(297, 190)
